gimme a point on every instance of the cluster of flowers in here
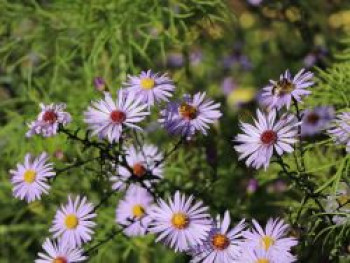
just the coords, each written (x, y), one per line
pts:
(180, 222)
(272, 134)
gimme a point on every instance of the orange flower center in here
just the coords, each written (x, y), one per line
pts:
(263, 260)
(187, 111)
(180, 220)
(60, 260)
(118, 116)
(139, 170)
(220, 241)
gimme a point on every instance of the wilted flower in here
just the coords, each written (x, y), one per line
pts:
(60, 252)
(315, 120)
(221, 245)
(144, 164)
(30, 178)
(73, 222)
(107, 118)
(151, 87)
(190, 115)
(272, 239)
(280, 93)
(48, 120)
(258, 142)
(181, 222)
(339, 204)
(132, 211)
(340, 130)
(228, 85)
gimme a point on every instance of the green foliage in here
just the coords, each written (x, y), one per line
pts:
(50, 51)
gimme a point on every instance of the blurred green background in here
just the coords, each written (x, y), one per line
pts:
(51, 51)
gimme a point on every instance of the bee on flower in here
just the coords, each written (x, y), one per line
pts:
(190, 115)
(282, 92)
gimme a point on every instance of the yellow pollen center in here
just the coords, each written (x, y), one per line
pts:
(267, 242)
(263, 260)
(220, 242)
(138, 211)
(71, 221)
(187, 111)
(60, 260)
(180, 220)
(29, 176)
(283, 87)
(147, 83)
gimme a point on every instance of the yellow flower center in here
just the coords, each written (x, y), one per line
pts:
(267, 242)
(138, 211)
(283, 87)
(29, 176)
(220, 242)
(60, 260)
(147, 83)
(263, 260)
(71, 221)
(180, 220)
(187, 111)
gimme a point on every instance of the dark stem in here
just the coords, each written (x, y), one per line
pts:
(75, 165)
(166, 155)
(109, 237)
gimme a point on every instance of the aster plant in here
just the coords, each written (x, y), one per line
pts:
(132, 169)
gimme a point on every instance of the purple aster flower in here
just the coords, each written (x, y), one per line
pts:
(132, 211)
(175, 60)
(30, 178)
(280, 93)
(315, 120)
(228, 85)
(73, 222)
(196, 56)
(340, 130)
(255, 2)
(181, 222)
(190, 115)
(107, 117)
(48, 120)
(272, 239)
(151, 87)
(59, 252)
(221, 245)
(100, 84)
(252, 186)
(258, 142)
(144, 164)
(257, 255)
